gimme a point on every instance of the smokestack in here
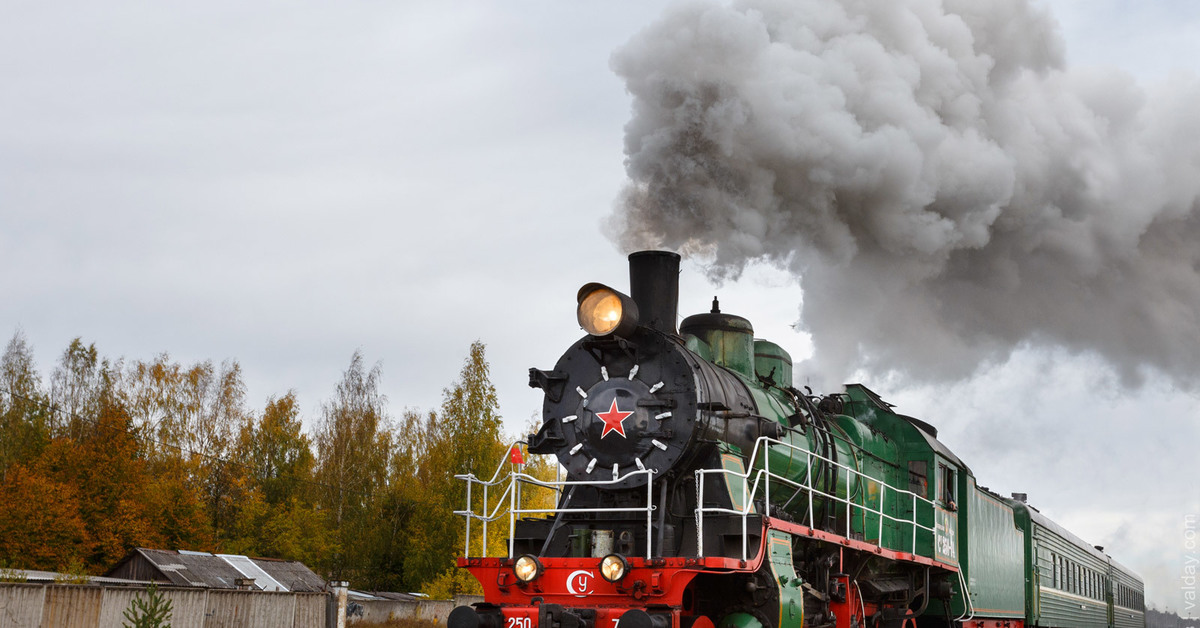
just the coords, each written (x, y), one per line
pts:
(654, 286)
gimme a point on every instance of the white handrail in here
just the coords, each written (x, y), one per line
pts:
(512, 483)
(750, 491)
(471, 479)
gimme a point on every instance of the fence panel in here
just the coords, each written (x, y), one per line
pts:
(310, 610)
(69, 606)
(379, 611)
(434, 610)
(21, 605)
(116, 601)
(249, 609)
(187, 606)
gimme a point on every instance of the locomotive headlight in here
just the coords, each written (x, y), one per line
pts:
(527, 568)
(613, 567)
(603, 311)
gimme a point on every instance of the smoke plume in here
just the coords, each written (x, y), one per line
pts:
(944, 188)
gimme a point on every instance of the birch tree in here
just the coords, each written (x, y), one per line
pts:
(353, 441)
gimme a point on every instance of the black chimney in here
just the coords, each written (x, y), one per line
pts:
(654, 286)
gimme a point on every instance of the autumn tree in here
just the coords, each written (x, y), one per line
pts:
(196, 408)
(75, 388)
(24, 413)
(220, 403)
(40, 524)
(353, 441)
(276, 512)
(464, 437)
(278, 452)
(122, 503)
(401, 502)
(187, 418)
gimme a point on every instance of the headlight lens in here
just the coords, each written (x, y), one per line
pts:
(603, 311)
(600, 312)
(613, 567)
(527, 568)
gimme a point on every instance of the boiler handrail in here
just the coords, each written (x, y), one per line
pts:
(751, 490)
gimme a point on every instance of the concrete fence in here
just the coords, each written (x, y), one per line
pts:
(379, 611)
(74, 606)
(84, 606)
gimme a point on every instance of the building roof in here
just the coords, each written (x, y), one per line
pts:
(51, 577)
(382, 595)
(216, 571)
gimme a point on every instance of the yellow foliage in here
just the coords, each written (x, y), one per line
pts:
(452, 582)
(73, 574)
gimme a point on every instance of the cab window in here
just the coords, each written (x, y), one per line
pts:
(946, 492)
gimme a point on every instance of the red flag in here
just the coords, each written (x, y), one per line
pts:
(515, 456)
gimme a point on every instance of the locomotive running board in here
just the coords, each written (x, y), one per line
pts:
(861, 546)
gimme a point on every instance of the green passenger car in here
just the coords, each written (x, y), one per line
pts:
(1069, 583)
(1128, 597)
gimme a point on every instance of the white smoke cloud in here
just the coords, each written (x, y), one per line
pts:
(944, 187)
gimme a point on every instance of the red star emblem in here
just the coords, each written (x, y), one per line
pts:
(614, 420)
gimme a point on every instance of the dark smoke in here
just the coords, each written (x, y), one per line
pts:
(944, 188)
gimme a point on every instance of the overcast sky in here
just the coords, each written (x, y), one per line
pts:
(284, 183)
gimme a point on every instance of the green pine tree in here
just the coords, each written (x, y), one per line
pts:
(154, 612)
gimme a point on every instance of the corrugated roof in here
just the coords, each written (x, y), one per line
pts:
(399, 597)
(381, 595)
(193, 569)
(35, 575)
(202, 569)
(294, 575)
(247, 568)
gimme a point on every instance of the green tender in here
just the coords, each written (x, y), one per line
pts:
(994, 568)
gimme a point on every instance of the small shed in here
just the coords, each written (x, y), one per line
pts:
(216, 571)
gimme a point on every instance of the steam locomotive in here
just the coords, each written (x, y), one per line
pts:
(703, 489)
